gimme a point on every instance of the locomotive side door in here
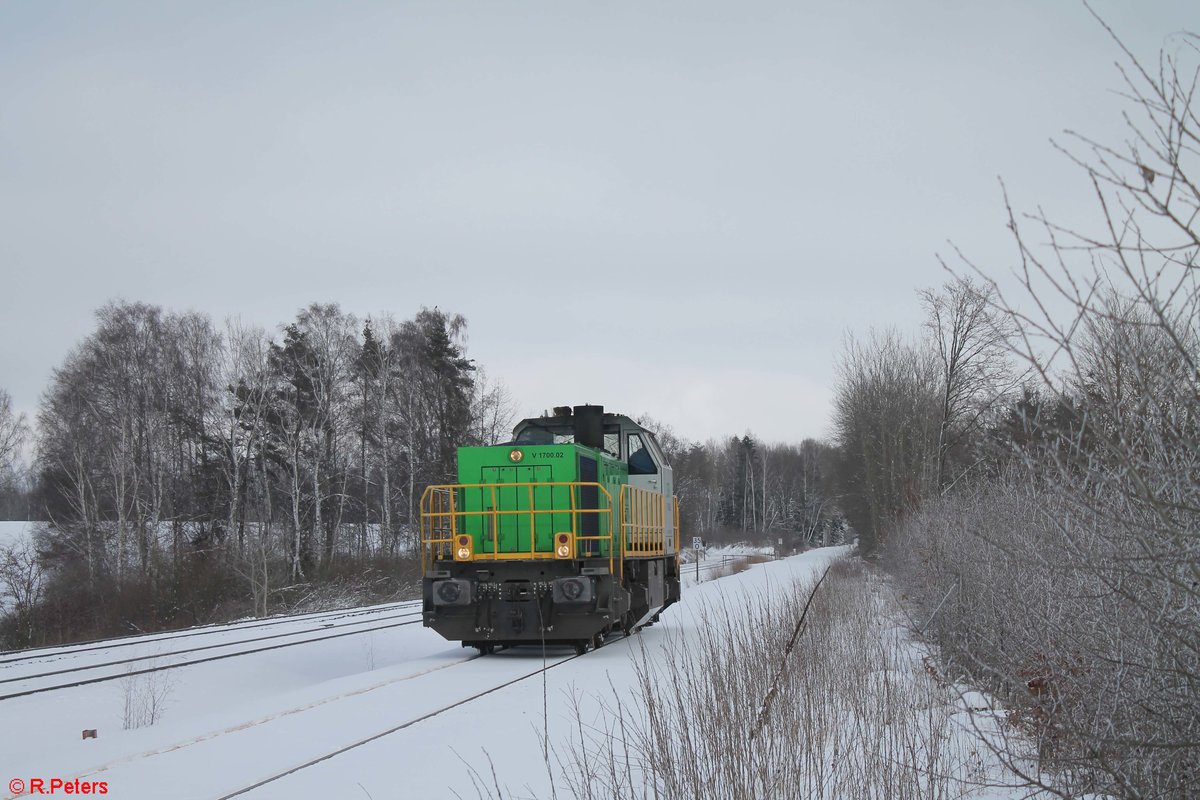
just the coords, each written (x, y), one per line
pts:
(648, 469)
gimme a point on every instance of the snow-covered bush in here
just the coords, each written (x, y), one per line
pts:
(851, 713)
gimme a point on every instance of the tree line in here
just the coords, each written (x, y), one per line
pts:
(747, 490)
(189, 472)
(1028, 466)
(181, 466)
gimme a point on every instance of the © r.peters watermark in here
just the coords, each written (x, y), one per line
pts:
(20, 786)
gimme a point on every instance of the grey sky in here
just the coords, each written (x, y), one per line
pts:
(668, 207)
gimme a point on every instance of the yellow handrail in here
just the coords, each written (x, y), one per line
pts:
(637, 524)
(643, 522)
(675, 523)
(440, 521)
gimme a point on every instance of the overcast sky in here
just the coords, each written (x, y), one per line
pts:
(675, 208)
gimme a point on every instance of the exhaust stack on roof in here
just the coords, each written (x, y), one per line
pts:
(589, 426)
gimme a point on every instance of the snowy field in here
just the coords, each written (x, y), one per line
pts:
(12, 533)
(714, 562)
(236, 725)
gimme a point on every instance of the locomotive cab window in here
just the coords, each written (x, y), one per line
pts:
(641, 462)
(612, 440)
(535, 435)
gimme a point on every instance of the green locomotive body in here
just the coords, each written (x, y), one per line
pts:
(561, 536)
(542, 480)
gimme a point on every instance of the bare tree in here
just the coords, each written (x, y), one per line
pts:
(1078, 596)
(972, 343)
(330, 337)
(493, 410)
(384, 370)
(22, 580)
(13, 432)
(886, 422)
(241, 418)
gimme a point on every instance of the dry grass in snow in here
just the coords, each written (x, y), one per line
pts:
(852, 712)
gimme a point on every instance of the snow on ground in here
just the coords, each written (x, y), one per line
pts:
(714, 561)
(229, 724)
(12, 533)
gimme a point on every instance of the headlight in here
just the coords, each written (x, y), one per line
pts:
(462, 550)
(562, 545)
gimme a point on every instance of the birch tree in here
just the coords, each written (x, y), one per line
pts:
(13, 433)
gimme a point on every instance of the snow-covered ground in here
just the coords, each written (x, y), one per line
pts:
(229, 724)
(713, 561)
(14, 532)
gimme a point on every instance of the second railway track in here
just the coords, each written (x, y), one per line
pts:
(134, 640)
(397, 728)
(192, 662)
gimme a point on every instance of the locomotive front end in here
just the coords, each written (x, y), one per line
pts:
(548, 539)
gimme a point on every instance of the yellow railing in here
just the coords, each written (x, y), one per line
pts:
(675, 522)
(443, 521)
(643, 522)
(636, 525)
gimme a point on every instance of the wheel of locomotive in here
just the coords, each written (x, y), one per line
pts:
(598, 641)
(581, 646)
(485, 648)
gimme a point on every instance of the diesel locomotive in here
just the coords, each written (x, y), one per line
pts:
(563, 535)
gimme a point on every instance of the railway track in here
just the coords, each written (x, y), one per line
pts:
(397, 728)
(207, 659)
(132, 640)
(254, 723)
(313, 760)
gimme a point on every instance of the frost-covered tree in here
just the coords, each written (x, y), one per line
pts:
(13, 432)
(886, 422)
(975, 368)
(1068, 580)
